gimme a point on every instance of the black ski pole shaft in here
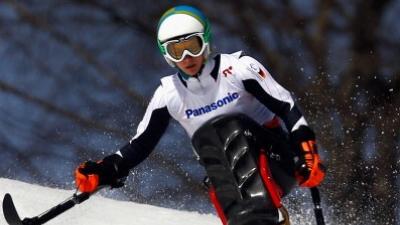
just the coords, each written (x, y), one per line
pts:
(317, 206)
(57, 210)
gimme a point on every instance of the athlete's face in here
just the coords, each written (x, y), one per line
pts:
(191, 65)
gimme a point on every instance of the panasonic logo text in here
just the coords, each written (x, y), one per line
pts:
(213, 106)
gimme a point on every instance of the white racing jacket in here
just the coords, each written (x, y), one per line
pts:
(229, 83)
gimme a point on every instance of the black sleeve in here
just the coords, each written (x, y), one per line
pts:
(281, 108)
(258, 81)
(153, 125)
(139, 148)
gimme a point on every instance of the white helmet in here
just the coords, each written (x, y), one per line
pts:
(180, 21)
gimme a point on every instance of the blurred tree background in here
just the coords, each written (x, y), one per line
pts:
(75, 78)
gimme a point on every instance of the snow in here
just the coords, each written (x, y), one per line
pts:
(31, 200)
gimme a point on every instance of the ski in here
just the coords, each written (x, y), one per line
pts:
(9, 211)
(12, 217)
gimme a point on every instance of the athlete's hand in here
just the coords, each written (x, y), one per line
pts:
(90, 175)
(309, 169)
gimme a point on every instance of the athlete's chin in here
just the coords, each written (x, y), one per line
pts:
(193, 70)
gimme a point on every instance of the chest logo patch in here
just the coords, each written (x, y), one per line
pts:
(227, 71)
(213, 106)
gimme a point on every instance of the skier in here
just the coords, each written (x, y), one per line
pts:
(233, 110)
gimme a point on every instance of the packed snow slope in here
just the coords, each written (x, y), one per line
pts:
(31, 200)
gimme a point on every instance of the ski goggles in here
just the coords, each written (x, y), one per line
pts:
(192, 45)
